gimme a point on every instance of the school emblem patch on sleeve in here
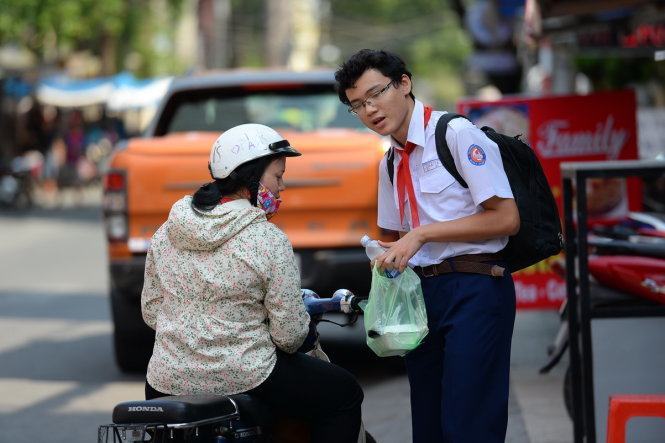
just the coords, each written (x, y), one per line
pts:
(476, 155)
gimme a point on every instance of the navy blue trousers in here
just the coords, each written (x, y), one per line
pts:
(459, 375)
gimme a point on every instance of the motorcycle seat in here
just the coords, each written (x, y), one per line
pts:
(175, 409)
(655, 248)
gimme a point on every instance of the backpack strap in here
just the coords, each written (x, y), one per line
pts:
(390, 165)
(442, 149)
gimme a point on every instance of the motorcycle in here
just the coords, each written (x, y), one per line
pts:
(238, 418)
(17, 181)
(626, 267)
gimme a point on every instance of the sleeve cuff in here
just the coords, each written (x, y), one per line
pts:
(482, 198)
(392, 227)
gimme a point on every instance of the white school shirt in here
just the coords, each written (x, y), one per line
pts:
(439, 196)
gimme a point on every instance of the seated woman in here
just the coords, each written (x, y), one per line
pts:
(222, 291)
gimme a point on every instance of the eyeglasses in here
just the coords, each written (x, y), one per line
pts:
(371, 100)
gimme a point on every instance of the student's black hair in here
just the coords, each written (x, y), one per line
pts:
(247, 175)
(387, 63)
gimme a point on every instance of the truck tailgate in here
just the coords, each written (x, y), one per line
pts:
(330, 200)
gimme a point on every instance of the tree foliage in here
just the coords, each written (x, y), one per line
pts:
(50, 27)
(426, 33)
(34, 22)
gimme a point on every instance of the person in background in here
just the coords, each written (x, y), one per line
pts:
(67, 152)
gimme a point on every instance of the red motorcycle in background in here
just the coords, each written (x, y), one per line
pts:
(630, 256)
(626, 267)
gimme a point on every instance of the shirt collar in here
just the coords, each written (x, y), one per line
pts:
(416, 134)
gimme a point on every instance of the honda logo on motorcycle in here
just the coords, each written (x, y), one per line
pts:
(145, 409)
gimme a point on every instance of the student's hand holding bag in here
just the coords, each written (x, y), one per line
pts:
(395, 316)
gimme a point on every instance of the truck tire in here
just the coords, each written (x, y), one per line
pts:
(132, 338)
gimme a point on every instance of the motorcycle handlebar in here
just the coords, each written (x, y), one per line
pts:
(342, 300)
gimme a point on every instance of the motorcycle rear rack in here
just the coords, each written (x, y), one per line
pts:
(141, 432)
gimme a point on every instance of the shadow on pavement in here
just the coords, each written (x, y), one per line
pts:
(90, 214)
(61, 360)
(358, 359)
(46, 305)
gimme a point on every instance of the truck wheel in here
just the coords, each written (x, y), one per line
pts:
(132, 338)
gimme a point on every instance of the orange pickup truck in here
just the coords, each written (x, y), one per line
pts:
(330, 201)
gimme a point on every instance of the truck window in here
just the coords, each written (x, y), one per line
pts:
(294, 109)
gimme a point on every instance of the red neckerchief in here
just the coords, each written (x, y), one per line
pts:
(405, 182)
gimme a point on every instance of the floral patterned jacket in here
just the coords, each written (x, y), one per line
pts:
(222, 292)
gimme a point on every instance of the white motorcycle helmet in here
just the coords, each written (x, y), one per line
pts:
(244, 143)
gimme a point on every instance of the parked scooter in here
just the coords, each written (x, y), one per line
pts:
(626, 264)
(218, 418)
(17, 181)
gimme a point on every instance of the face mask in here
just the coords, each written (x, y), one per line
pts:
(267, 201)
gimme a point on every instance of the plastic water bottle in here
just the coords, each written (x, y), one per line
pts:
(373, 249)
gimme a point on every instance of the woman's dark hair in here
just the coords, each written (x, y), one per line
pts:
(246, 175)
(387, 63)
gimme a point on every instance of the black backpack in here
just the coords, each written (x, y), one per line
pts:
(540, 235)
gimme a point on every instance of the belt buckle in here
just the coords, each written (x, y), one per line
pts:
(434, 273)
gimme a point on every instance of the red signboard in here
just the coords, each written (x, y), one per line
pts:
(599, 126)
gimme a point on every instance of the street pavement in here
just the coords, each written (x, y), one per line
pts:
(59, 382)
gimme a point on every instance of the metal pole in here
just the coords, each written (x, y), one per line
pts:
(573, 327)
(585, 310)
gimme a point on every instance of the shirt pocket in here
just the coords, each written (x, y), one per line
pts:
(435, 181)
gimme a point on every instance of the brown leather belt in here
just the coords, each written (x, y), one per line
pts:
(468, 263)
